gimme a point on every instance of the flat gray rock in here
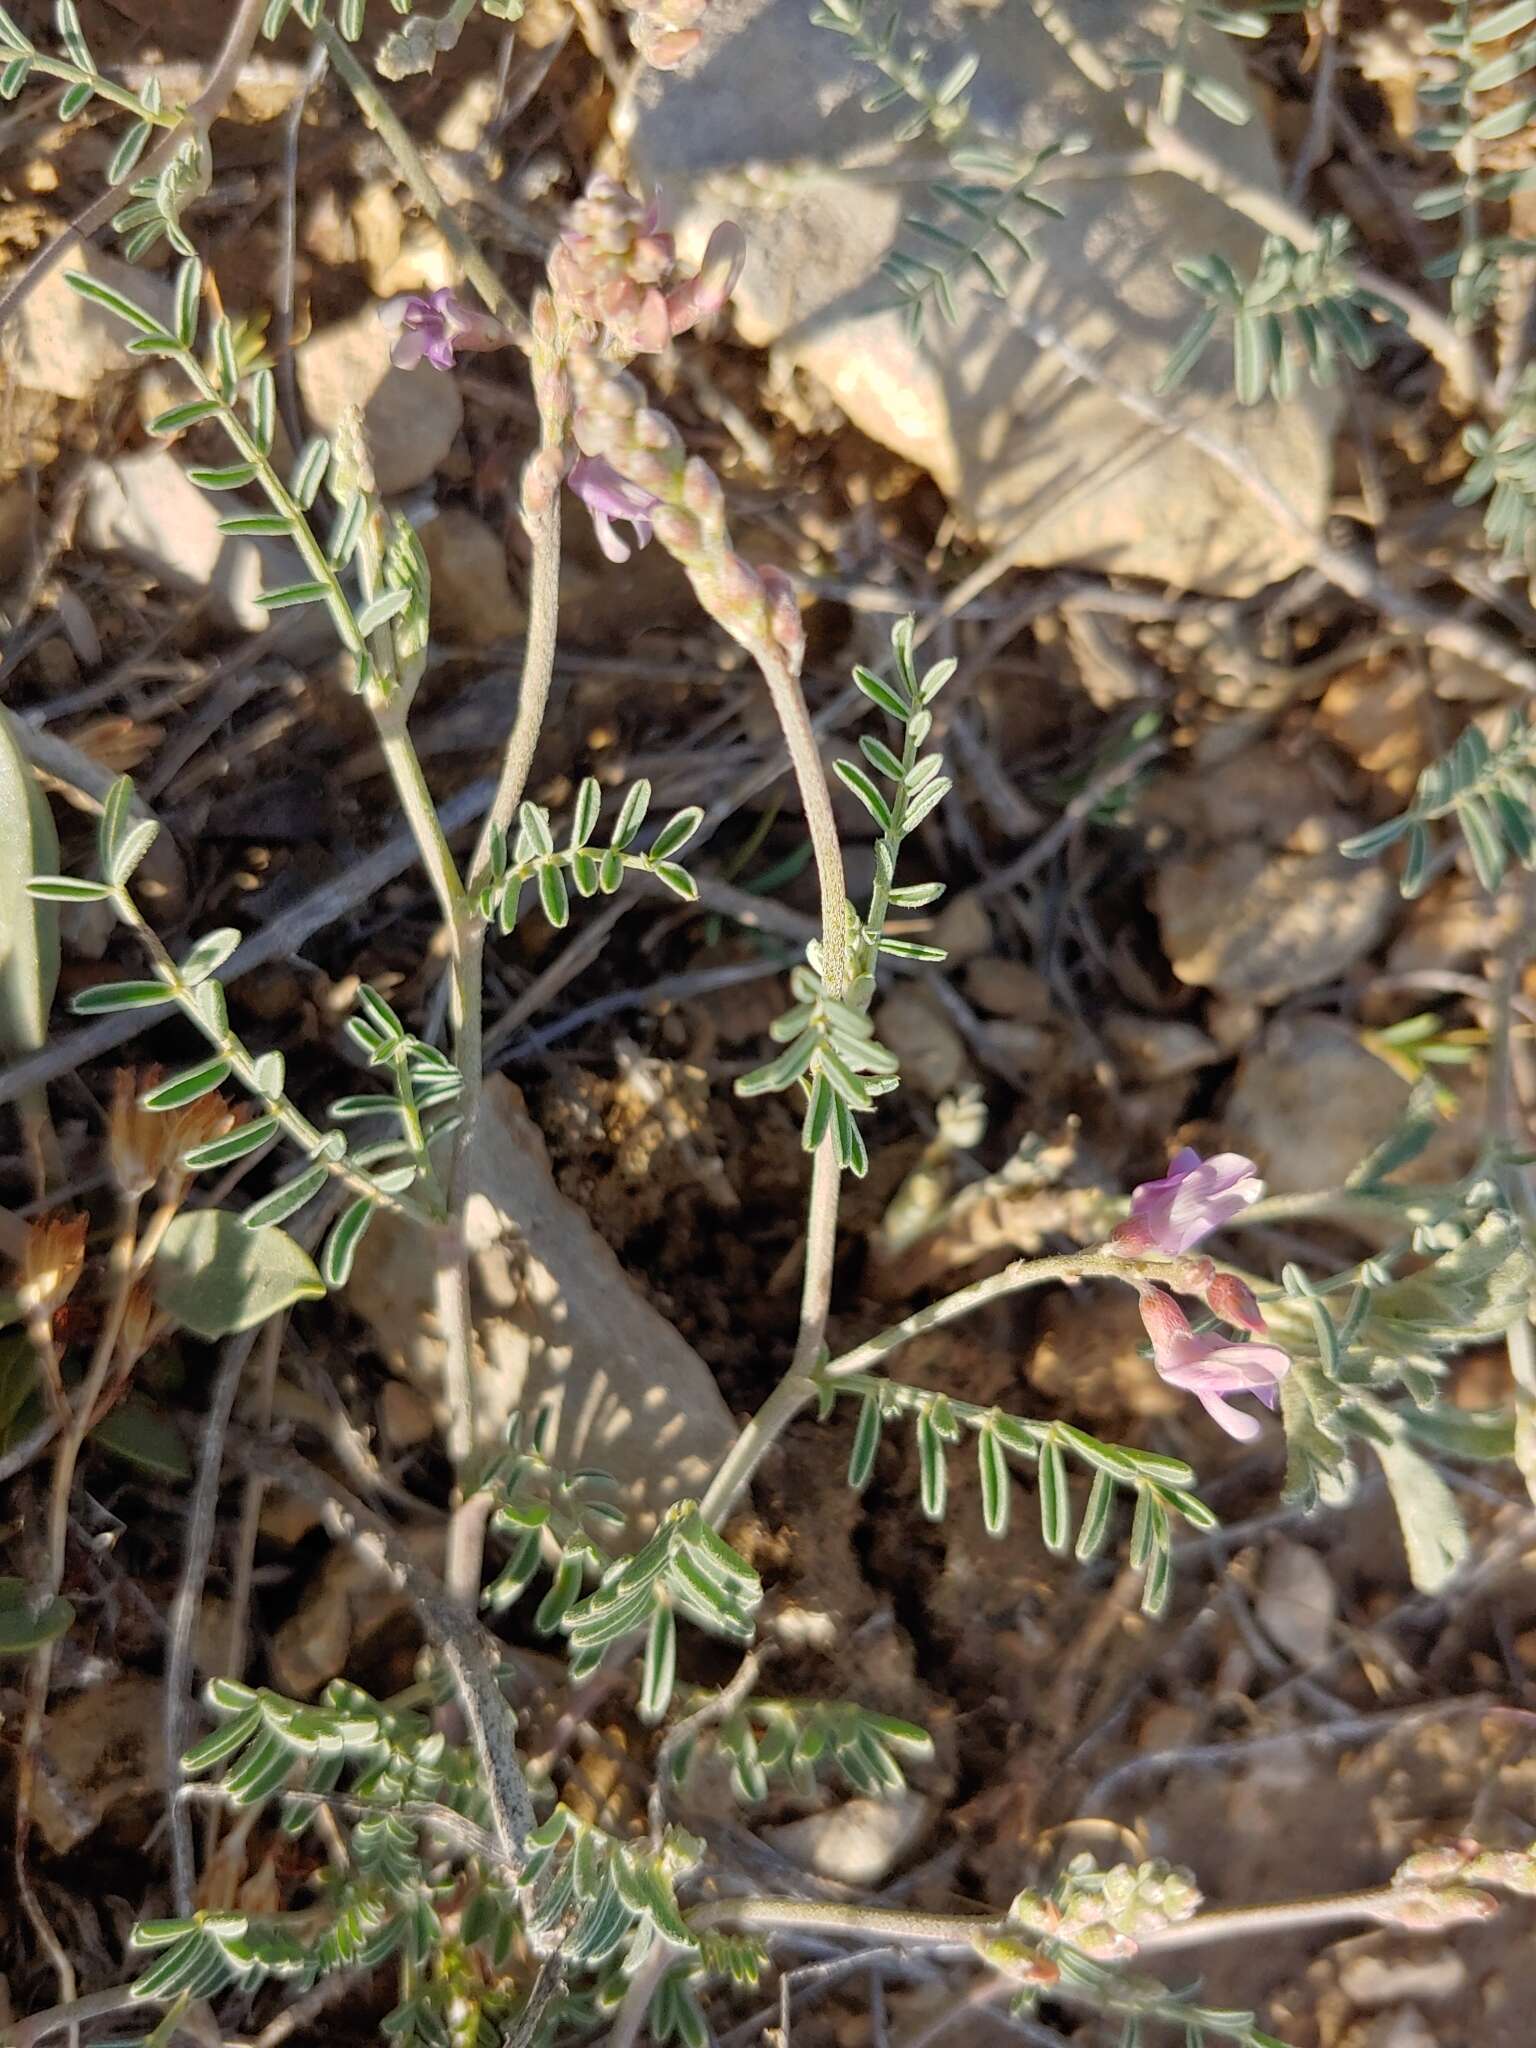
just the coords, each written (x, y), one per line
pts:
(68, 345)
(558, 1324)
(764, 124)
(411, 417)
(147, 508)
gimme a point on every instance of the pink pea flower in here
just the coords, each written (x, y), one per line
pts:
(609, 496)
(1195, 1197)
(431, 327)
(1211, 1367)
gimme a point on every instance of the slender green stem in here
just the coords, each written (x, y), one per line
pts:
(541, 521)
(797, 1388)
(76, 2012)
(395, 742)
(322, 570)
(533, 689)
(382, 118)
(405, 772)
(805, 758)
(1013, 1279)
(1385, 1905)
(868, 949)
(226, 1042)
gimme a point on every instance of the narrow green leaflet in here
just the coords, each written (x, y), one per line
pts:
(188, 1086)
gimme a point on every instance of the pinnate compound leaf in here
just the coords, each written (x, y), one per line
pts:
(215, 1276)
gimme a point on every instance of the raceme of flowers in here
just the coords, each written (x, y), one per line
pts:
(1168, 1218)
(616, 289)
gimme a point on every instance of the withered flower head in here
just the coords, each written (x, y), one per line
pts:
(140, 1318)
(51, 1264)
(135, 1137)
(145, 1144)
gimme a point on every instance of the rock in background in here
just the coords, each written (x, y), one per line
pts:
(558, 1325)
(764, 123)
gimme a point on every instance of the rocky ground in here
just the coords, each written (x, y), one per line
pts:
(1166, 719)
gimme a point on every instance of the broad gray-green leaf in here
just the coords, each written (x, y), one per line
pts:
(1317, 1466)
(29, 928)
(142, 1434)
(1434, 1534)
(26, 1623)
(1467, 1296)
(216, 1276)
(20, 1396)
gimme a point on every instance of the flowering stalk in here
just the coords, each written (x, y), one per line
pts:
(756, 607)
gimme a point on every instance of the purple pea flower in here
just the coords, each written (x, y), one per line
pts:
(1194, 1197)
(609, 496)
(431, 327)
(1211, 1367)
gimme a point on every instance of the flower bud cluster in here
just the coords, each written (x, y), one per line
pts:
(1435, 1887)
(616, 273)
(640, 448)
(1108, 1913)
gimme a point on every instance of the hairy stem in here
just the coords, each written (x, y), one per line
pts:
(1013, 1279)
(541, 519)
(805, 759)
(797, 1388)
(541, 522)
(201, 1518)
(1384, 1905)
(470, 1652)
(387, 125)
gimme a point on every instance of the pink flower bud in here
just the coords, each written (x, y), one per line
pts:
(1235, 1302)
(784, 621)
(741, 589)
(703, 496)
(1132, 1238)
(666, 52)
(1430, 1866)
(1208, 1367)
(678, 531)
(696, 298)
(655, 431)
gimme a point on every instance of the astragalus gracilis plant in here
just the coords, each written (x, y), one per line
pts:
(501, 1913)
